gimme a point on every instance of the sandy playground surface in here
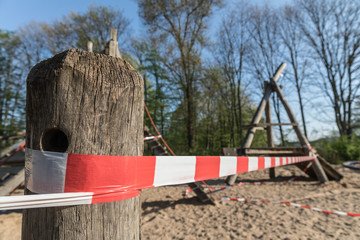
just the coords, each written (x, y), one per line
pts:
(166, 214)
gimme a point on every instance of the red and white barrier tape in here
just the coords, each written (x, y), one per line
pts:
(290, 204)
(152, 137)
(114, 178)
(216, 189)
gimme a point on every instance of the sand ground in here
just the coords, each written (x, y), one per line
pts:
(166, 214)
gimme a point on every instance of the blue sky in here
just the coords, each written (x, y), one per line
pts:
(17, 13)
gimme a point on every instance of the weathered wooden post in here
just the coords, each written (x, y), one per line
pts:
(86, 103)
(112, 47)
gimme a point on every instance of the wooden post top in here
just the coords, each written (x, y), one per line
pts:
(113, 34)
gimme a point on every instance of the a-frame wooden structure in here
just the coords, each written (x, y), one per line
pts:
(320, 168)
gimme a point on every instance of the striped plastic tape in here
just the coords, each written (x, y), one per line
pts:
(112, 178)
(152, 137)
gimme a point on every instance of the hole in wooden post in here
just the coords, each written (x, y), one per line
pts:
(54, 140)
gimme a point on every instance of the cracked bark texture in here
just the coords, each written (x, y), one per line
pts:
(97, 101)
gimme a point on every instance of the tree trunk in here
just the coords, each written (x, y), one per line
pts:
(95, 103)
(189, 119)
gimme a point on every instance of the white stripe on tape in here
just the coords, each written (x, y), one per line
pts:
(170, 170)
(277, 161)
(253, 163)
(51, 166)
(45, 200)
(340, 213)
(227, 166)
(267, 162)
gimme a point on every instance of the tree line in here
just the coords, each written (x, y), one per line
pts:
(201, 78)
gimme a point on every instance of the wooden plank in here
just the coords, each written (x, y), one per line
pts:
(269, 124)
(3, 177)
(275, 151)
(9, 170)
(230, 151)
(12, 183)
(7, 151)
(12, 136)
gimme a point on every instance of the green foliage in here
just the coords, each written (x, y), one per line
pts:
(339, 149)
(76, 29)
(12, 90)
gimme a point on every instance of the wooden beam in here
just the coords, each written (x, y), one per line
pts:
(269, 125)
(9, 150)
(275, 151)
(11, 136)
(12, 182)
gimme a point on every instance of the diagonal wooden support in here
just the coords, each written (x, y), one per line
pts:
(319, 171)
(269, 132)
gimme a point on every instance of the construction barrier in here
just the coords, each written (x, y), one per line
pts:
(85, 179)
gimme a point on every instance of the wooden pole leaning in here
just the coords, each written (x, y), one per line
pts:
(257, 117)
(85, 103)
(269, 130)
(319, 171)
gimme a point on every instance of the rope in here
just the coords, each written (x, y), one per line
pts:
(157, 131)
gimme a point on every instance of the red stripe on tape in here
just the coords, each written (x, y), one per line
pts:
(261, 163)
(242, 164)
(207, 167)
(100, 173)
(354, 214)
(328, 212)
(273, 162)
